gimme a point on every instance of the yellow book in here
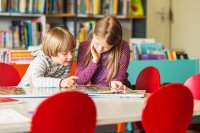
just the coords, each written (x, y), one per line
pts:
(136, 8)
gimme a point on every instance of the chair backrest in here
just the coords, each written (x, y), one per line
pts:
(8, 75)
(168, 110)
(66, 112)
(193, 83)
(148, 79)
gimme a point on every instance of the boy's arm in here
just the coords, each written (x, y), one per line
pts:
(66, 72)
(39, 68)
(122, 74)
(84, 74)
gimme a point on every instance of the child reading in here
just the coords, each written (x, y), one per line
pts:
(104, 59)
(53, 62)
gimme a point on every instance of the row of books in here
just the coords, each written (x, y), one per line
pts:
(22, 34)
(83, 28)
(95, 7)
(149, 49)
(59, 6)
(113, 7)
(16, 56)
(22, 6)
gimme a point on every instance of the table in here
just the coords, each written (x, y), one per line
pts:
(109, 111)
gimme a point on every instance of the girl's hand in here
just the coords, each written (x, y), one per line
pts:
(96, 56)
(117, 85)
(68, 82)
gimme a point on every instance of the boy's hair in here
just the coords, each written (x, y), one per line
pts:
(109, 28)
(57, 40)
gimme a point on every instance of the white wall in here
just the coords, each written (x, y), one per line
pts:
(185, 27)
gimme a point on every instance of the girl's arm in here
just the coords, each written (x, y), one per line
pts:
(122, 74)
(84, 74)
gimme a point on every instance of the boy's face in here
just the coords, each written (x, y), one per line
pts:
(64, 58)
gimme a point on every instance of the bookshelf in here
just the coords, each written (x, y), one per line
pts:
(170, 70)
(67, 13)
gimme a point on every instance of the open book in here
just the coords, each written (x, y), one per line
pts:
(102, 91)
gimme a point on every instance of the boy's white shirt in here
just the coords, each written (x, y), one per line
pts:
(44, 72)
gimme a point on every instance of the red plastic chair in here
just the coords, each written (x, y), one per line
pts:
(8, 75)
(168, 110)
(66, 112)
(193, 83)
(148, 79)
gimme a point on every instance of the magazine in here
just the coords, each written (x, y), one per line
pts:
(27, 92)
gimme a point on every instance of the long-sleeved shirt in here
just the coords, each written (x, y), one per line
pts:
(97, 73)
(43, 72)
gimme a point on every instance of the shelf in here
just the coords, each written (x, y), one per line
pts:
(4, 14)
(25, 15)
(61, 15)
(91, 16)
(170, 70)
(19, 14)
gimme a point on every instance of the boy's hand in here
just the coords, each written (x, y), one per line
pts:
(68, 82)
(96, 56)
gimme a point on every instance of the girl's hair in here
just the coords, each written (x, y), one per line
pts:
(57, 40)
(109, 28)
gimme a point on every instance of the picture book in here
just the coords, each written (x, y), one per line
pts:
(103, 91)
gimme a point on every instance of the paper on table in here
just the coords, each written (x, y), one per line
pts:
(10, 116)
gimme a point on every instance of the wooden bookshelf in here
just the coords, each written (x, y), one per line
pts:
(60, 15)
(65, 13)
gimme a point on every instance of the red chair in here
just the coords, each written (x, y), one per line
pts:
(148, 79)
(168, 110)
(193, 83)
(66, 112)
(8, 75)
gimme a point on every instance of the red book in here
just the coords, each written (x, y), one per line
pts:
(6, 100)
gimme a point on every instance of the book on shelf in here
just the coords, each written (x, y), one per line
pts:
(19, 56)
(146, 49)
(136, 8)
(152, 57)
(176, 54)
(112, 7)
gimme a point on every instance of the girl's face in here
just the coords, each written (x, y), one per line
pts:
(100, 44)
(64, 58)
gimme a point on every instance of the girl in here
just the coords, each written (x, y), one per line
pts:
(104, 59)
(53, 62)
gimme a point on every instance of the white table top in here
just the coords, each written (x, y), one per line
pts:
(109, 111)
